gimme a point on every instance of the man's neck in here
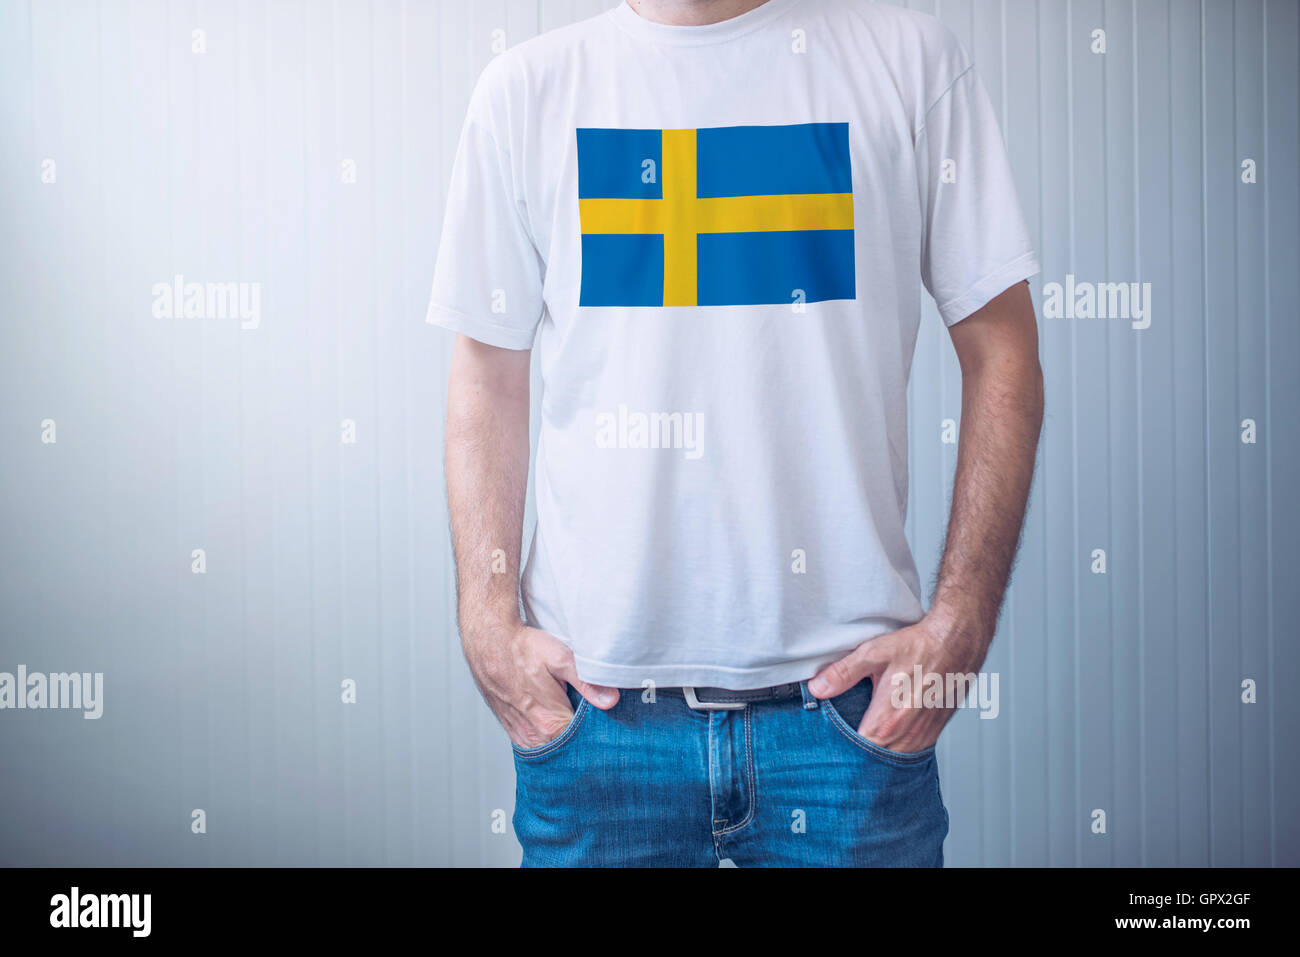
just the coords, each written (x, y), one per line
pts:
(692, 13)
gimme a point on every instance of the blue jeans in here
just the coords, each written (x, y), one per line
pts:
(787, 783)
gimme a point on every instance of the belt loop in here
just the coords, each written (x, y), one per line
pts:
(809, 702)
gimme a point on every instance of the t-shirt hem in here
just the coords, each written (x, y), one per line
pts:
(1000, 280)
(480, 329)
(701, 676)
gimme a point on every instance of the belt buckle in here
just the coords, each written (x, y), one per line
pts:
(698, 705)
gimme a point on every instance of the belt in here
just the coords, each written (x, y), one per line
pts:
(726, 699)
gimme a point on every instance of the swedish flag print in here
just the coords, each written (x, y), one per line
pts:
(728, 215)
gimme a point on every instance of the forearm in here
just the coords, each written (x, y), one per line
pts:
(521, 671)
(486, 471)
(1002, 413)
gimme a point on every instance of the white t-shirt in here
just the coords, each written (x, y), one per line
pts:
(717, 236)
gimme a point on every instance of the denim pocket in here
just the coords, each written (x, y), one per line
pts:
(579, 713)
(845, 714)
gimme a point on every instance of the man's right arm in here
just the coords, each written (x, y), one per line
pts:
(521, 671)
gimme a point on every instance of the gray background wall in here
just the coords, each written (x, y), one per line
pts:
(325, 560)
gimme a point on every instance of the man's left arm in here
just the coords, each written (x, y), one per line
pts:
(1002, 413)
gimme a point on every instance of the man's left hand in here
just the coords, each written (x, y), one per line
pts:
(900, 725)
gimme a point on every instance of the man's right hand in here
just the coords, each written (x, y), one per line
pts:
(520, 670)
(522, 673)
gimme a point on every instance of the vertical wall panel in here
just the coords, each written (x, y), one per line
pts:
(305, 147)
(1219, 155)
(1057, 474)
(1154, 411)
(1187, 321)
(1248, 656)
(1281, 147)
(1120, 477)
(1025, 694)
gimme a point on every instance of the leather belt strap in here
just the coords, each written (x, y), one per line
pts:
(727, 699)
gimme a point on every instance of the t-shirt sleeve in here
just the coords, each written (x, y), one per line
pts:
(487, 282)
(974, 242)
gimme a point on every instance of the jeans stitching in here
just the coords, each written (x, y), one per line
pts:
(713, 798)
(579, 716)
(875, 750)
(749, 766)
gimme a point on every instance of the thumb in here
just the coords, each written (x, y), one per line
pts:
(839, 676)
(601, 696)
